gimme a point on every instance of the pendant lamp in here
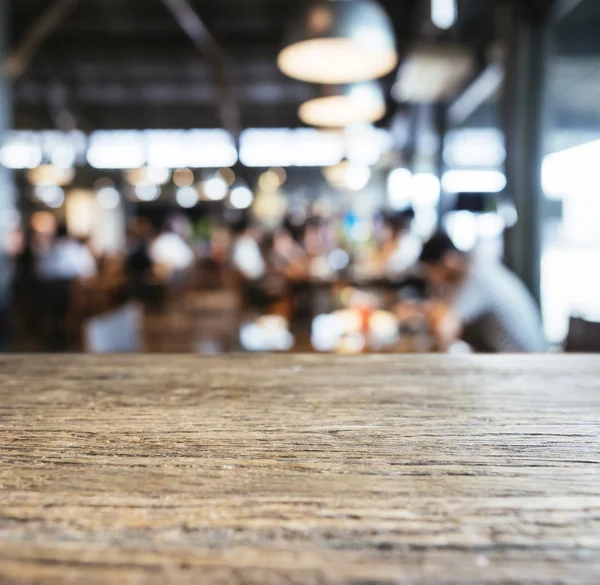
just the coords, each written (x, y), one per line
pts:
(342, 106)
(340, 41)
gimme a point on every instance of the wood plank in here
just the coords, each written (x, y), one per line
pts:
(299, 469)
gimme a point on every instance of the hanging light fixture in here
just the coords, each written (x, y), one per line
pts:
(340, 41)
(346, 176)
(50, 175)
(444, 13)
(342, 106)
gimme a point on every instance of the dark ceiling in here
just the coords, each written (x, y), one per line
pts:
(127, 63)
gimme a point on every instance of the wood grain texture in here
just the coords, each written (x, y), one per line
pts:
(305, 469)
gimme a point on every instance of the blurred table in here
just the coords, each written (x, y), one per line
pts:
(306, 469)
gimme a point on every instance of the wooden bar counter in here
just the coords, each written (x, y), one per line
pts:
(306, 469)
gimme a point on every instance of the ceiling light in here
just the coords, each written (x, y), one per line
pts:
(148, 175)
(209, 148)
(116, 150)
(365, 144)
(426, 190)
(63, 156)
(264, 147)
(269, 181)
(183, 178)
(444, 13)
(215, 189)
(80, 212)
(241, 197)
(340, 42)
(108, 198)
(20, 155)
(474, 147)
(187, 197)
(344, 106)
(52, 195)
(281, 174)
(272, 179)
(473, 181)
(357, 177)
(158, 175)
(431, 74)
(147, 192)
(314, 148)
(50, 175)
(227, 175)
(281, 147)
(347, 176)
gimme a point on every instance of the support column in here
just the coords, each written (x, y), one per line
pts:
(528, 40)
(7, 192)
(441, 123)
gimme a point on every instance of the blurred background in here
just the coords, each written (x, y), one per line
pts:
(210, 176)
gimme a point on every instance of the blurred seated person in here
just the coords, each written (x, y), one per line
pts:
(66, 261)
(487, 305)
(215, 271)
(317, 244)
(288, 256)
(138, 264)
(171, 255)
(263, 285)
(400, 247)
(246, 253)
(220, 245)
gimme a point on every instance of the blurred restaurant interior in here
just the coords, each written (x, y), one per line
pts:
(214, 176)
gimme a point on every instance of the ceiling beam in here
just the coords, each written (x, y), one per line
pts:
(562, 8)
(42, 28)
(477, 93)
(201, 37)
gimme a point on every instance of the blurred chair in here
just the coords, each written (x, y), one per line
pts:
(119, 331)
(583, 337)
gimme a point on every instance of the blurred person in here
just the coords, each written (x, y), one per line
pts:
(288, 256)
(487, 305)
(249, 257)
(246, 253)
(220, 245)
(312, 239)
(170, 253)
(214, 269)
(400, 247)
(66, 262)
(138, 264)
(317, 242)
(66, 259)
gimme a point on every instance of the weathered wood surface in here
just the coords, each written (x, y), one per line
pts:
(267, 470)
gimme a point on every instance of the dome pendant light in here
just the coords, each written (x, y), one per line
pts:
(342, 106)
(340, 41)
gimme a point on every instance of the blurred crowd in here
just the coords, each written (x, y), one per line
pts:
(335, 284)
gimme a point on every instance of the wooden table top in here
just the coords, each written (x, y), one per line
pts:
(306, 469)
